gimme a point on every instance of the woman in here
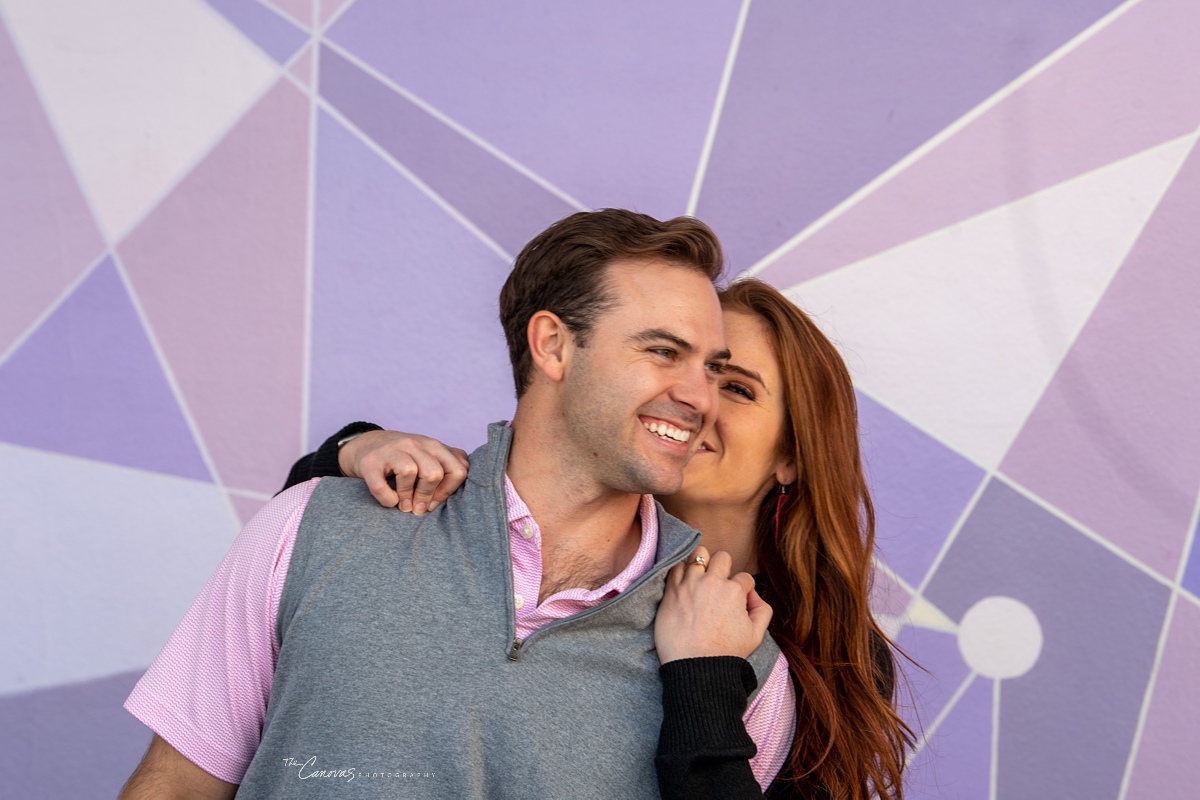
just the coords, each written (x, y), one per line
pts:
(778, 485)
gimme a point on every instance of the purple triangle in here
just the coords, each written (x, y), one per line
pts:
(825, 98)
(919, 488)
(87, 383)
(609, 101)
(271, 31)
(1191, 577)
(70, 741)
(506, 205)
(1067, 725)
(956, 760)
(388, 259)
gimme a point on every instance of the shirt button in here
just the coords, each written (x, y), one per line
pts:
(518, 601)
(526, 532)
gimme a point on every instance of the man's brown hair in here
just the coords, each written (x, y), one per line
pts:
(562, 270)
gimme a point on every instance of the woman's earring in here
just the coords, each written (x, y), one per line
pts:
(779, 511)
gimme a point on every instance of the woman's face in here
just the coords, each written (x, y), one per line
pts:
(738, 461)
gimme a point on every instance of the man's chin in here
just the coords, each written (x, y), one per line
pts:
(664, 484)
(648, 481)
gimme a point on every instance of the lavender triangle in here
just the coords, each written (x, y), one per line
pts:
(87, 384)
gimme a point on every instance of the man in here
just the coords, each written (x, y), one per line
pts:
(404, 653)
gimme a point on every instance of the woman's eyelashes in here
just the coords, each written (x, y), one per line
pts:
(739, 389)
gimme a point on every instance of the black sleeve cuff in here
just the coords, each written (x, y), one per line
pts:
(704, 751)
(325, 462)
(703, 703)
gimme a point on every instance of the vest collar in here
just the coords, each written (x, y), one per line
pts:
(488, 465)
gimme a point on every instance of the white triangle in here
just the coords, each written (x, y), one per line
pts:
(101, 563)
(137, 90)
(960, 331)
(924, 614)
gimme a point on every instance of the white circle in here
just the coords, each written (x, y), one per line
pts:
(1000, 637)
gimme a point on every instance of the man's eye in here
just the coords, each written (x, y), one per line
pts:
(739, 389)
(715, 367)
(665, 352)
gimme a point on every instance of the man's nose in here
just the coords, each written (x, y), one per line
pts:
(697, 390)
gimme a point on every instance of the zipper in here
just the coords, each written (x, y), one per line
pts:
(514, 652)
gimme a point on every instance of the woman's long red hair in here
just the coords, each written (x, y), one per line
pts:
(817, 576)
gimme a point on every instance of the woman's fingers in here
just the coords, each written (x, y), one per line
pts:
(758, 609)
(426, 472)
(745, 580)
(721, 564)
(454, 475)
(440, 471)
(707, 612)
(361, 458)
(429, 474)
(697, 562)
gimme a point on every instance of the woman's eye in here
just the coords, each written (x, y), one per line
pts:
(739, 389)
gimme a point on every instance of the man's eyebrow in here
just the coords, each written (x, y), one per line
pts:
(653, 335)
(659, 335)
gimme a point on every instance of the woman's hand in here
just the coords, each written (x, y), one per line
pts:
(426, 471)
(707, 612)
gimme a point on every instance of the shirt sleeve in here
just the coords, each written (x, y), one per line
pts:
(771, 723)
(206, 693)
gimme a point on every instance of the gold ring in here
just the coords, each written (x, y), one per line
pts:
(699, 561)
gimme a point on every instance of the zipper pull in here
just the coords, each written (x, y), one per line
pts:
(514, 652)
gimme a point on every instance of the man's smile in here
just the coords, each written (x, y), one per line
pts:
(665, 430)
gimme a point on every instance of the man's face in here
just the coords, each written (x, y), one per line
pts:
(637, 396)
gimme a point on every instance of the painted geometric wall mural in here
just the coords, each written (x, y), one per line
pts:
(227, 227)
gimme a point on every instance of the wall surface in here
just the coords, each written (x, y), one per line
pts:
(228, 227)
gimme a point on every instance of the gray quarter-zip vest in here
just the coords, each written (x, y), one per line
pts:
(399, 674)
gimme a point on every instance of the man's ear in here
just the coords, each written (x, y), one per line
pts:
(550, 345)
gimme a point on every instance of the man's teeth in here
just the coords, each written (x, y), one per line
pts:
(667, 431)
